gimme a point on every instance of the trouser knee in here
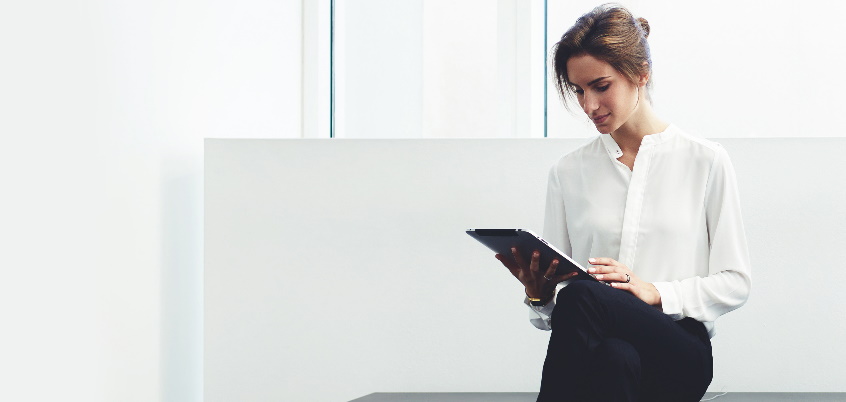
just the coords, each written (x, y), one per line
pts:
(620, 379)
(616, 357)
(577, 290)
(579, 297)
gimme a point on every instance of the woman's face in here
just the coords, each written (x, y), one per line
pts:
(607, 97)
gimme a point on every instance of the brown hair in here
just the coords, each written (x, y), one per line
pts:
(610, 33)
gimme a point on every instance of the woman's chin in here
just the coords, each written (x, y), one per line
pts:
(604, 129)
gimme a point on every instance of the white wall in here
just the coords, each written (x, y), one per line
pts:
(378, 68)
(439, 69)
(360, 278)
(473, 68)
(730, 68)
(103, 109)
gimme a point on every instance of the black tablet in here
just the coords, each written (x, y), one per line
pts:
(502, 240)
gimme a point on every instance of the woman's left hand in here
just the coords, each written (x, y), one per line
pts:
(615, 273)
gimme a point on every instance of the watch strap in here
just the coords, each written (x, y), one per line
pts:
(538, 302)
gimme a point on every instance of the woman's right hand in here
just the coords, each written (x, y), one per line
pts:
(538, 284)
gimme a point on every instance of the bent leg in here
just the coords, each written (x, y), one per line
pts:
(675, 362)
(616, 367)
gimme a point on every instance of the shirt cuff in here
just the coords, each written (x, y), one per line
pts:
(545, 310)
(670, 302)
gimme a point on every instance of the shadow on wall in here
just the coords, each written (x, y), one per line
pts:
(181, 345)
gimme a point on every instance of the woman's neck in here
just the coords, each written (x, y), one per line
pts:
(642, 123)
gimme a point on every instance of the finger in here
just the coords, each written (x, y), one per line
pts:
(508, 262)
(550, 272)
(615, 277)
(565, 277)
(512, 267)
(521, 262)
(602, 269)
(602, 261)
(534, 265)
(629, 287)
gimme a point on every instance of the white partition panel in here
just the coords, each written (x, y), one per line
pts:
(337, 268)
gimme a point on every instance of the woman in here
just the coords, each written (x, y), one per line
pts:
(655, 215)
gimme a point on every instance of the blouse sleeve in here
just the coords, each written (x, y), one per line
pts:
(555, 232)
(729, 273)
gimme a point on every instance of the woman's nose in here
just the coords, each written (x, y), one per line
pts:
(590, 103)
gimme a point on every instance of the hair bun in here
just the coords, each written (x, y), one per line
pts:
(644, 24)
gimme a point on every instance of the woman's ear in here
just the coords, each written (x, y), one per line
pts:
(644, 78)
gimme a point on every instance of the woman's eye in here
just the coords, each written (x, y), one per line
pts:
(603, 88)
(579, 91)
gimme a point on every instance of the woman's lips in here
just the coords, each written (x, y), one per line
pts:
(601, 119)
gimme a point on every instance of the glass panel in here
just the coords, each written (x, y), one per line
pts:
(729, 68)
(561, 14)
(438, 68)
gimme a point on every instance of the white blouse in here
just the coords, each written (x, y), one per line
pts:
(674, 220)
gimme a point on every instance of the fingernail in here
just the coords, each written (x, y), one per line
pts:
(599, 277)
(591, 270)
(535, 255)
(591, 260)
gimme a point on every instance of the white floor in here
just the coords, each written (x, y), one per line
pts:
(530, 397)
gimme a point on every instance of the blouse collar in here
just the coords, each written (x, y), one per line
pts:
(651, 139)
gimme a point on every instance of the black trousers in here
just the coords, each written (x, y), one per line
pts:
(608, 345)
